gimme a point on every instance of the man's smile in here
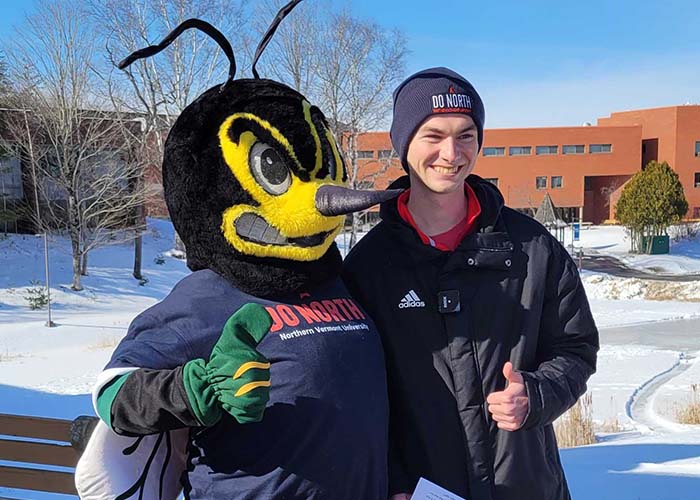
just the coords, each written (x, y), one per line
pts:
(447, 170)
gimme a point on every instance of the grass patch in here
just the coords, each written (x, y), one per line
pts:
(611, 426)
(104, 343)
(7, 356)
(575, 427)
(662, 290)
(689, 413)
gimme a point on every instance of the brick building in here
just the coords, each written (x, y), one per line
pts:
(582, 168)
(17, 193)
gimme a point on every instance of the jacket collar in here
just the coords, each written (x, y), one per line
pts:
(487, 247)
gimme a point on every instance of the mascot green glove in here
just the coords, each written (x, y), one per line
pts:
(236, 378)
(258, 376)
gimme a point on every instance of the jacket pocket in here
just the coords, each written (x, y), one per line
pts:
(525, 469)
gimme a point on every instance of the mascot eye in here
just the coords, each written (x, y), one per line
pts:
(269, 169)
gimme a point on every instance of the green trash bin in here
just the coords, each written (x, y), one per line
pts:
(659, 244)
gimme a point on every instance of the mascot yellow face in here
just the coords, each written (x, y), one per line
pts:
(282, 219)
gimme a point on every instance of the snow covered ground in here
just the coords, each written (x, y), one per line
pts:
(65, 359)
(623, 301)
(663, 467)
(650, 457)
(49, 371)
(684, 257)
(621, 371)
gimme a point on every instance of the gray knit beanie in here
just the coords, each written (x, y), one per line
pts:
(429, 92)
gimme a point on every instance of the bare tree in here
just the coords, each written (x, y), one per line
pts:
(365, 174)
(293, 52)
(9, 104)
(79, 160)
(358, 66)
(348, 67)
(159, 88)
(5, 88)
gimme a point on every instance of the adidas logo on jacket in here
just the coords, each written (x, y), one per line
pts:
(411, 300)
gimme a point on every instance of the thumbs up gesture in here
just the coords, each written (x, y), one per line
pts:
(509, 407)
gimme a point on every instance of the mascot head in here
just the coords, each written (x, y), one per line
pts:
(254, 179)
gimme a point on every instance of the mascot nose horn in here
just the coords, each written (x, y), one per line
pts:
(337, 200)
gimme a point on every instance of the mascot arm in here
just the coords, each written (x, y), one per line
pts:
(235, 379)
(145, 402)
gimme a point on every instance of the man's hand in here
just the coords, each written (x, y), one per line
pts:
(509, 407)
(400, 496)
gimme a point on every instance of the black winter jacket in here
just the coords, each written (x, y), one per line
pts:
(520, 299)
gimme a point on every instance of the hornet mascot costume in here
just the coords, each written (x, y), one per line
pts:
(258, 376)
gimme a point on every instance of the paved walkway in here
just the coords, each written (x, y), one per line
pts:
(679, 335)
(676, 335)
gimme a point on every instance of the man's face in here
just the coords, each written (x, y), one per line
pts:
(443, 152)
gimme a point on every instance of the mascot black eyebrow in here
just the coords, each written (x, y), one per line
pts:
(258, 376)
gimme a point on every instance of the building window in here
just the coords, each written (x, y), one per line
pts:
(556, 181)
(696, 212)
(546, 150)
(493, 180)
(363, 155)
(697, 148)
(385, 153)
(519, 150)
(494, 151)
(10, 179)
(600, 148)
(697, 179)
(541, 182)
(573, 149)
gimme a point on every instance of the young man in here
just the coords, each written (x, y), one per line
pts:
(487, 331)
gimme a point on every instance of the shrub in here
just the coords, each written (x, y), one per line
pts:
(689, 413)
(575, 427)
(652, 200)
(36, 296)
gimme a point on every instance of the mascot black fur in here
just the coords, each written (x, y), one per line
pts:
(258, 376)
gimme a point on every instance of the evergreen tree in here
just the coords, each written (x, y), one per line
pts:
(651, 201)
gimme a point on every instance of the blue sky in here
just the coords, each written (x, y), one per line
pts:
(11, 14)
(541, 63)
(547, 63)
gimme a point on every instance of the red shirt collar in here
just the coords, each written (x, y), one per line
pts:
(448, 240)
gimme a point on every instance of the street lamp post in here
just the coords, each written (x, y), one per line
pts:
(49, 323)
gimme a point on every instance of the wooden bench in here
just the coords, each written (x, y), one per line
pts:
(41, 447)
